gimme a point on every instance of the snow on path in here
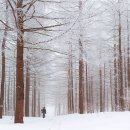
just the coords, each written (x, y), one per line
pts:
(100, 121)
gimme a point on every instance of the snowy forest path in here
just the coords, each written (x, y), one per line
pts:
(55, 124)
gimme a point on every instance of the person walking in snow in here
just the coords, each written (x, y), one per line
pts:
(43, 111)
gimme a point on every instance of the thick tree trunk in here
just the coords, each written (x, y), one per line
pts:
(81, 83)
(19, 112)
(81, 63)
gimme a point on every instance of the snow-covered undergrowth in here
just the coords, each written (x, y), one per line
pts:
(100, 121)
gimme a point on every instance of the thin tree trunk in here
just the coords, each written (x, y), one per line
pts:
(3, 66)
(70, 83)
(69, 86)
(115, 70)
(128, 58)
(87, 89)
(92, 105)
(35, 96)
(112, 107)
(125, 80)
(27, 90)
(76, 90)
(104, 88)
(32, 112)
(5, 101)
(120, 70)
(8, 96)
(14, 93)
(39, 96)
(101, 91)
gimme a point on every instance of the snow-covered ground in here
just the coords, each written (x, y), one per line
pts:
(100, 121)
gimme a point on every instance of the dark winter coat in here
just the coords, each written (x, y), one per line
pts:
(43, 110)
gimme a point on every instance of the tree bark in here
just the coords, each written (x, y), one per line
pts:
(3, 66)
(27, 91)
(120, 70)
(101, 91)
(128, 58)
(81, 63)
(70, 82)
(81, 83)
(19, 111)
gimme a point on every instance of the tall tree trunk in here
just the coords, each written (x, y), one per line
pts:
(120, 70)
(3, 65)
(81, 86)
(8, 96)
(91, 94)
(27, 90)
(35, 101)
(111, 90)
(70, 83)
(32, 112)
(81, 63)
(14, 92)
(5, 101)
(104, 88)
(101, 90)
(76, 89)
(115, 78)
(39, 96)
(125, 81)
(87, 89)
(128, 58)
(19, 111)
(34, 97)
(115, 65)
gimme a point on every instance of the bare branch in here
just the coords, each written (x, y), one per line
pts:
(13, 12)
(35, 48)
(41, 28)
(5, 24)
